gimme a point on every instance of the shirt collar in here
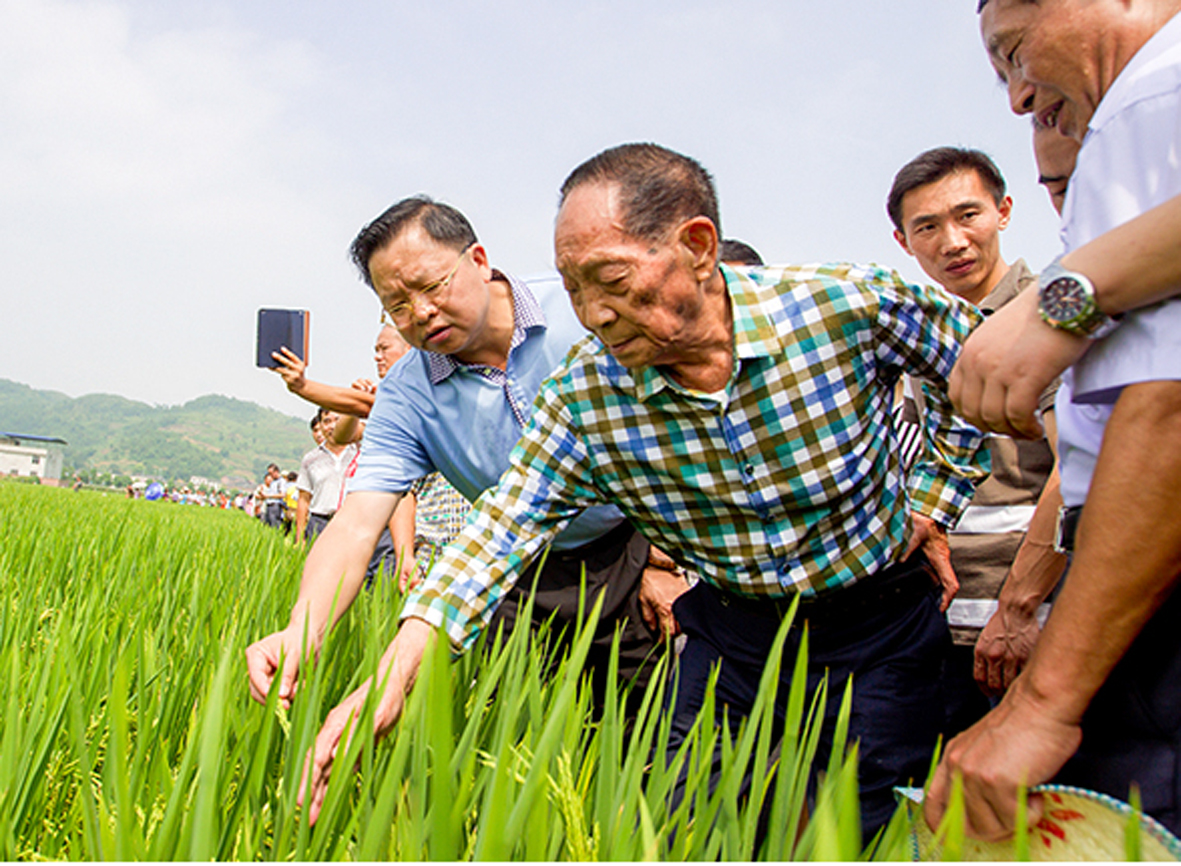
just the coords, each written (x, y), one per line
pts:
(1010, 284)
(1142, 61)
(755, 334)
(527, 315)
(753, 292)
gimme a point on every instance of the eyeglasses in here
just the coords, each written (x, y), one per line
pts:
(433, 293)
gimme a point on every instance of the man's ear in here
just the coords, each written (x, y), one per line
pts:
(901, 238)
(699, 237)
(480, 260)
(1006, 211)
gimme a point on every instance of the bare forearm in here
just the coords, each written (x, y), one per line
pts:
(399, 669)
(1135, 264)
(347, 401)
(1037, 568)
(348, 429)
(335, 568)
(1128, 551)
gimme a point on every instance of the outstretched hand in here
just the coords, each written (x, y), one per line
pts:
(1019, 742)
(396, 673)
(276, 654)
(330, 742)
(408, 576)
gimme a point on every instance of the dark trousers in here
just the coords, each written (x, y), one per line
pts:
(315, 525)
(966, 703)
(1132, 729)
(614, 567)
(384, 558)
(892, 646)
(272, 513)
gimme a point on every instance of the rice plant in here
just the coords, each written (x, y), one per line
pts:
(129, 732)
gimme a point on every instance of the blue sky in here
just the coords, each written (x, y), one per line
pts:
(166, 168)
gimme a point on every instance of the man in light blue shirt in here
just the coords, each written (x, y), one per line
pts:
(486, 342)
(434, 413)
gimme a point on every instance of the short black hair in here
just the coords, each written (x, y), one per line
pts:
(733, 250)
(934, 165)
(659, 188)
(441, 222)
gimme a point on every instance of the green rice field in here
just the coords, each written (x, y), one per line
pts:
(129, 732)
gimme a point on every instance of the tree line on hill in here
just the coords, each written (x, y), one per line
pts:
(112, 438)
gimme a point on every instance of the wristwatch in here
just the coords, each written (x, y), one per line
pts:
(1066, 301)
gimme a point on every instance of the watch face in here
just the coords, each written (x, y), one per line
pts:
(1064, 299)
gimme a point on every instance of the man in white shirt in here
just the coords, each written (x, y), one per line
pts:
(1108, 664)
(321, 480)
(272, 490)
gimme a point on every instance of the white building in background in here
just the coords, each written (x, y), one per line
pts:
(22, 454)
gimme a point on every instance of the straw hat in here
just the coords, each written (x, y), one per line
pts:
(1077, 824)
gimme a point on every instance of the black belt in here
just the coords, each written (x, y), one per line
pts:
(1067, 528)
(322, 516)
(902, 582)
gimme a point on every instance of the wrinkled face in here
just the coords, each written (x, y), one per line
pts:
(640, 298)
(450, 321)
(389, 348)
(1050, 56)
(952, 227)
(1054, 154)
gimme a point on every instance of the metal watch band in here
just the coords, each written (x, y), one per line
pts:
(1066, 301)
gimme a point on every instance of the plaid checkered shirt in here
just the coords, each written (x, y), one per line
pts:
(786, 481)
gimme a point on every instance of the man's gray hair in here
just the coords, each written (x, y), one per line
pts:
(659, 188)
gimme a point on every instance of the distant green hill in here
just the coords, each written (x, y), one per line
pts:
(215, 437)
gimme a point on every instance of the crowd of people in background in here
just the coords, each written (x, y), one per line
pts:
(157, 491)
(968, 486)
(253, 503)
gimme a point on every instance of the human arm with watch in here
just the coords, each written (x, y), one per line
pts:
(1010, 359)
(1126, 557)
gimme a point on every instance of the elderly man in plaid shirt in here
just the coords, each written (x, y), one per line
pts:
(741, 420)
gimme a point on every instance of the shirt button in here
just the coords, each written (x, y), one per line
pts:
(748, 470)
